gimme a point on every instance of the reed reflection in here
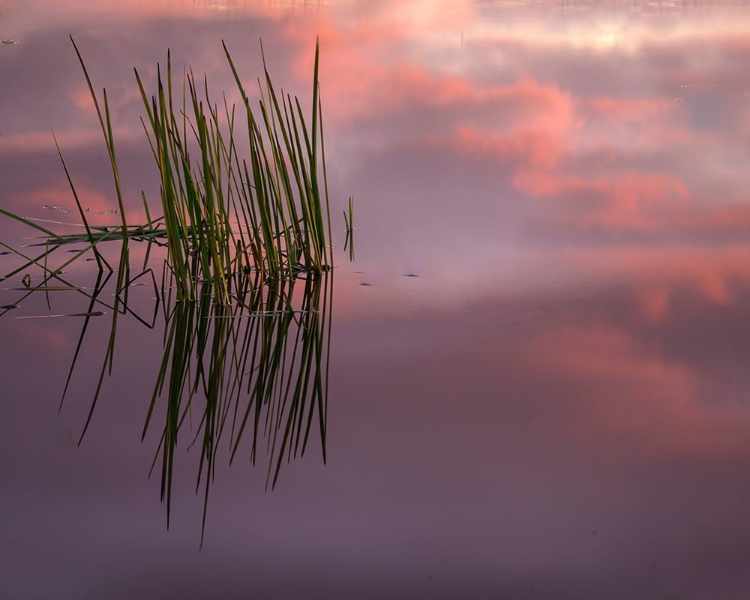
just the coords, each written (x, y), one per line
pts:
(255, 370)
(250, 376)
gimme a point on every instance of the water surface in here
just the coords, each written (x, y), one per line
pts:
(554, 407)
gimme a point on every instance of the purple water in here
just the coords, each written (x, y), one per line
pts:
(555, 408)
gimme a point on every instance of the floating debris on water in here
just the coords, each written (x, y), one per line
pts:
(112, 211)
(48, 288)
(8, 42)
(689, 86)
(84, 314)
(57, 208)
(263, 313)
(8, 306)
(26, 281)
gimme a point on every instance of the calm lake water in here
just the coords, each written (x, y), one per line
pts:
(539, 362)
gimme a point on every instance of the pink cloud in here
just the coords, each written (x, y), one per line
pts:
(31, 203)
(620, 201)
(712, 273)
(631, 396)
(653, 302)
(535, 149)
(360, 77)
(629, 109)
(69, 139)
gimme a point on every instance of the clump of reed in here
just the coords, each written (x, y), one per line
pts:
(222, 214)
(278, 196)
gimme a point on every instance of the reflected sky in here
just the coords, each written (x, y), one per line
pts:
(473, 135)
(556, 407)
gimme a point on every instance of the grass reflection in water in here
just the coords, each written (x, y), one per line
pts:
(246, 377)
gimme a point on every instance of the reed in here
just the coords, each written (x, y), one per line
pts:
(221, 214)
(349, 224)
(273, 195)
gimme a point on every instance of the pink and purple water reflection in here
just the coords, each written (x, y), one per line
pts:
(556, 408)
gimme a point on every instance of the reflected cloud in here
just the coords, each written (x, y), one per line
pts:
(568, 181)
(630, 397)
(538, 148)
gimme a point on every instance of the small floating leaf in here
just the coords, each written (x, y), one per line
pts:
(8, 42)
(9, 306)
